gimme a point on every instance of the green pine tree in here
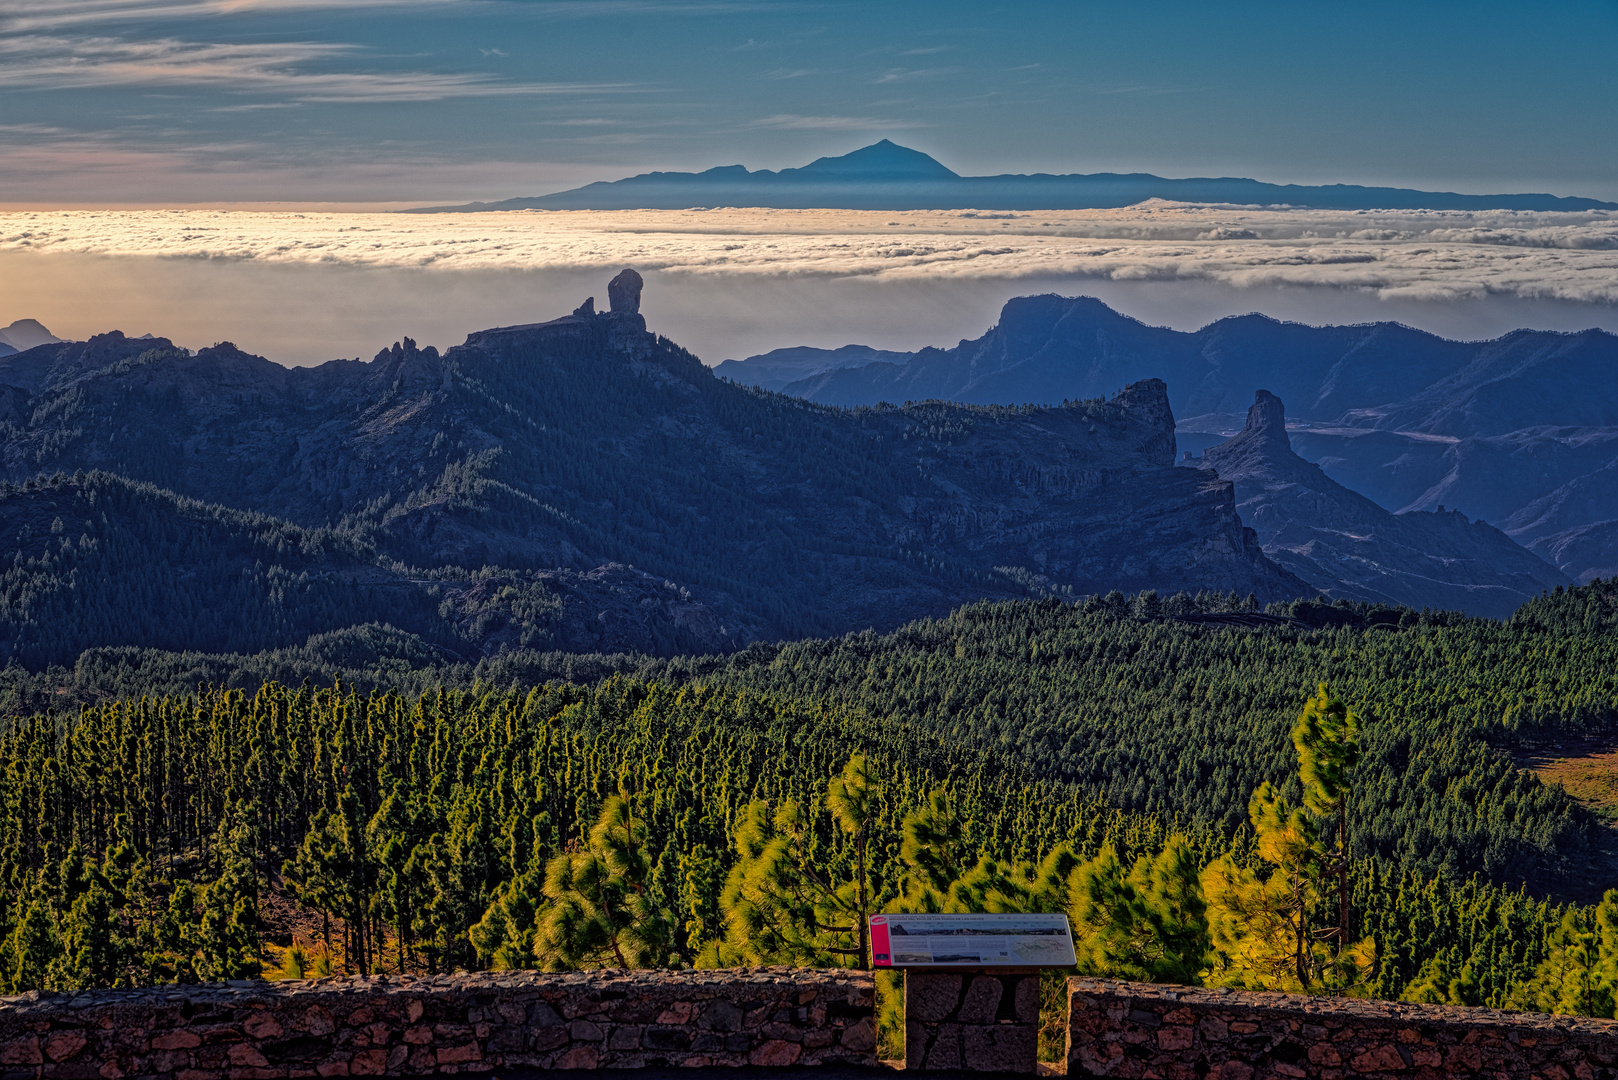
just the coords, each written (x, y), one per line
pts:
(1149, 925)
(1326, 737)
(599, 910)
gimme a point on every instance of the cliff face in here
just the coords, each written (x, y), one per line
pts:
(1346, 545)
(586, 440)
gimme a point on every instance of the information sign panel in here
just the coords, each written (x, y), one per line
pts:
(935, 941)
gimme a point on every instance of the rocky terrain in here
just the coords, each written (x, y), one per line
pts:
(481, 497)
(1521, 431)
(1346, 545)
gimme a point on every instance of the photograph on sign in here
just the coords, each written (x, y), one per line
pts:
(971, 940)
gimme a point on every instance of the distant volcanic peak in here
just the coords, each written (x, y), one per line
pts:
(885, 160)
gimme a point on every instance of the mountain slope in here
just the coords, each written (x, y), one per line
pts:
(886, 176)
(1516, 431)
(776, 369)
(96, 560)
(1345, 545)
(587, 440)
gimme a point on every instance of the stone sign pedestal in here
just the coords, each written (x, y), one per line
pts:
(984, 1021)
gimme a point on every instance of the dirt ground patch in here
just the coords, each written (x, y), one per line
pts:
(1588, 772)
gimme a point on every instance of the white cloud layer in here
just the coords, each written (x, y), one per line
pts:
(1406, 255)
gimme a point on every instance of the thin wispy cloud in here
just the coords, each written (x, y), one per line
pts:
(54, 62)
(28, 16)
(908, 74)
(37, 15)
(791, 122)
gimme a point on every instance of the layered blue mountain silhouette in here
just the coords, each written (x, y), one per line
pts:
(1521, 431)
(887, 176)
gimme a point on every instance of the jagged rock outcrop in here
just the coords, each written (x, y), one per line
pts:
(623, 293)
(563, 446)
(1346, 545)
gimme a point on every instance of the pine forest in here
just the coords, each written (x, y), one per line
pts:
(1159, 768)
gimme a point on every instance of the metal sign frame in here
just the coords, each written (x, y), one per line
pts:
(971, 940)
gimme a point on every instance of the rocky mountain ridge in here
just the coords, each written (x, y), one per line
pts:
(566, 446)
(1521, 431)
(1347, 546)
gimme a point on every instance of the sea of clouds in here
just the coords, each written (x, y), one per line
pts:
(1416, 255)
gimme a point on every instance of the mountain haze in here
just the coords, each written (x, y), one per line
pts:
(886, 176)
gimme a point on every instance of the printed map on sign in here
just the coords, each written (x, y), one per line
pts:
(971, 941)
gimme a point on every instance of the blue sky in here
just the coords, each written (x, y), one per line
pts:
(206, 101)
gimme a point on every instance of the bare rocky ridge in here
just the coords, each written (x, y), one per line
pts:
(535, 456)
(1345, 545)
(1521, 431)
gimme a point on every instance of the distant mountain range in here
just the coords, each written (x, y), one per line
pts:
(24, 334)
(1521, 431)
(496, 496)
(886, 176)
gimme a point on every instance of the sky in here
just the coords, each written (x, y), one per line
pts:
(107, 102)
(125, 123)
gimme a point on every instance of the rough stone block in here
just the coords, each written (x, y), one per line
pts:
(945, 1049)
(931, 996)
(860, 1037)
(580, 1057)
(1027, 999)
(776, 1052)
(721, 1015)
(65, 1045)
(981, 1001)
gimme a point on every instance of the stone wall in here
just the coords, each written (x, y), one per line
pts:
(964, 1020)
(446, 1025)
(521, 1021)
(1179, 1033)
